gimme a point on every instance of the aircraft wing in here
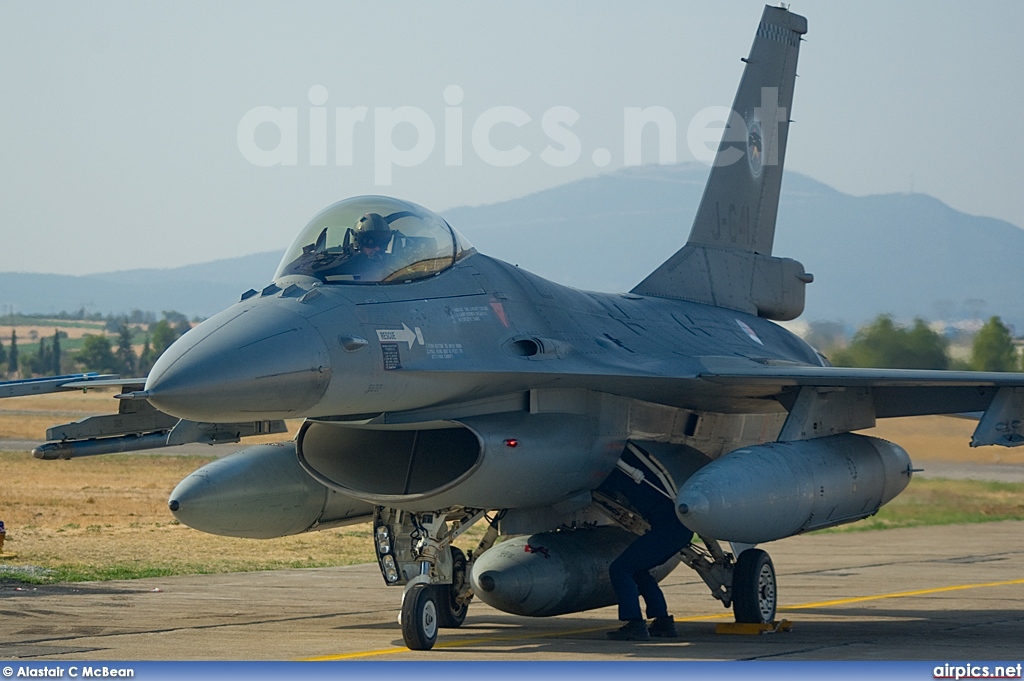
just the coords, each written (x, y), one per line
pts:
(52, 384)
(828, 400)
(781, 374)
(897, 392)
(841, 393)
(136, 426)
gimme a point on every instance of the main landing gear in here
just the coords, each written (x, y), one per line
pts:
(747, 583)
(754, 595)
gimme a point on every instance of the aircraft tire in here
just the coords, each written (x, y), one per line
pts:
(451, 615)
(754, 593)
(419, 618)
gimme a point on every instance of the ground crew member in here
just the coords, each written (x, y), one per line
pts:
(630, 572)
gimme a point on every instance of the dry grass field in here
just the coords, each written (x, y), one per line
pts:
(942, 438)
(106, 517)
(74, 330)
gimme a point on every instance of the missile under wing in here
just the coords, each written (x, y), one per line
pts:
(441, 387)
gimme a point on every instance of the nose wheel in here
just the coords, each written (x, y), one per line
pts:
(420, 617)
(754, 594)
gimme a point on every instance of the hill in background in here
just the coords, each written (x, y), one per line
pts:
(905, 254)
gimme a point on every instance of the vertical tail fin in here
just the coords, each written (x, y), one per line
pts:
(727, 260)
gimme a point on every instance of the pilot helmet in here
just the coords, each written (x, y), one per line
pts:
(372, 231)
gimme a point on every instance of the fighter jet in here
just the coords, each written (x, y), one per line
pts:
(440, 388)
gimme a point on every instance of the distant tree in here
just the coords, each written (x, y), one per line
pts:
(96, 355)
(163, 334)
(993, 348)
(826, 336)
(883, 344)
(146, 358)
(125, 354)
(182, 327)
(3, 358)
(12, 355)
(174, 317)
(926, 349)
(140, 317)
(56, 352)
(39, 364)
(112, 324)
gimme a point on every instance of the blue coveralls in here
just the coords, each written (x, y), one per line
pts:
(630, 572)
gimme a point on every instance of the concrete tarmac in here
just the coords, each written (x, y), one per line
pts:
(938, 593)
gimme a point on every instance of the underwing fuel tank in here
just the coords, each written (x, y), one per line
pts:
(261, 492)
(553, 573)
(770, 491)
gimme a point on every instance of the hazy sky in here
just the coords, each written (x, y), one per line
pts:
(120, 125)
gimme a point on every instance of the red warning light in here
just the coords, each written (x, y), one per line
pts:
(511, 442)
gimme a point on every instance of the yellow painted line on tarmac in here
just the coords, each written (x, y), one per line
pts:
(459, 643)
(900, 594)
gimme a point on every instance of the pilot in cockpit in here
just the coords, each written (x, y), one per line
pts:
(373, 240)
(372, 236)
(368, 257)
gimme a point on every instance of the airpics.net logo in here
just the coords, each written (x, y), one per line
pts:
(269, 136)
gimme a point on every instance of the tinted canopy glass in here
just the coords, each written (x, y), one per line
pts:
(374, 240)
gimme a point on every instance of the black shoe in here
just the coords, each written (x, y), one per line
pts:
(664, 627)
(633, 630)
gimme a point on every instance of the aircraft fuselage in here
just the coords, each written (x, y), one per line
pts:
(481, 329)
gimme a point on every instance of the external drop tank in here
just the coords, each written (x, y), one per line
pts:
(261, 492)
(771, 491)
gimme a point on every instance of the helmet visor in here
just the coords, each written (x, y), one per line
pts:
(374, 239)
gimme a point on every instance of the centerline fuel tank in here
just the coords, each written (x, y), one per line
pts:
(553, 573)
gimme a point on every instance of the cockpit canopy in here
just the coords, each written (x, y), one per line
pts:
(374, 240)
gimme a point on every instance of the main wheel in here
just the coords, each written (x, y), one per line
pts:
(419, 618)
(451, 614)
(753, 588)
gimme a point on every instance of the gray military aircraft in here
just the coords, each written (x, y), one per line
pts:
(441, 387)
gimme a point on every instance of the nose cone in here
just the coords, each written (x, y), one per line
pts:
(691, 505)
(244, 364)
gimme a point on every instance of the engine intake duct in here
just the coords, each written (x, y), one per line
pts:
(387, 463)
(506, 460)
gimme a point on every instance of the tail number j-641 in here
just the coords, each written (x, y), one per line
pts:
(735, 223)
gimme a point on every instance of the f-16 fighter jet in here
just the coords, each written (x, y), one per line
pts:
(441, 387)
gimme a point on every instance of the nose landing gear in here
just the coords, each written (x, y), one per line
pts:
(420, 617)
(415, 550)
